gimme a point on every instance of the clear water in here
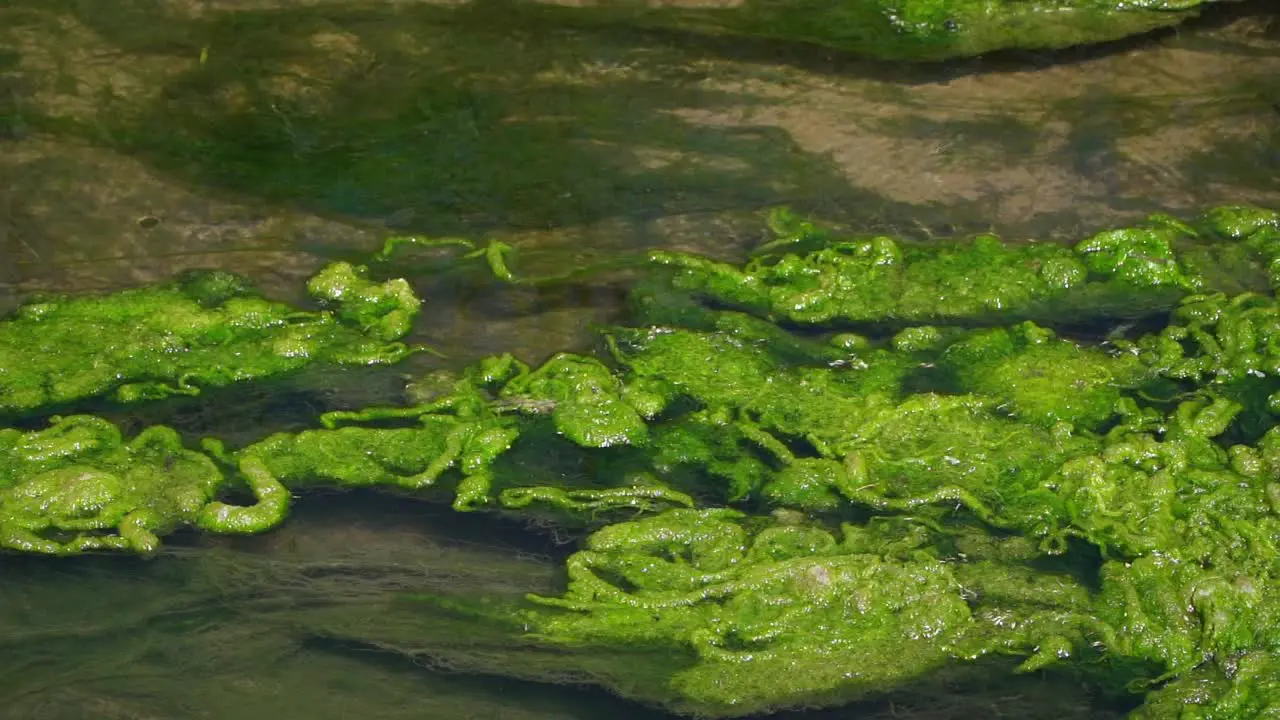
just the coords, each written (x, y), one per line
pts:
(140, 138)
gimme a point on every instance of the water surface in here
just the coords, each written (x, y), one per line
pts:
(139, 139)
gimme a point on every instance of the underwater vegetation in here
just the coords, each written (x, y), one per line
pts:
(208, 329)
(848, 465)
(905, 29)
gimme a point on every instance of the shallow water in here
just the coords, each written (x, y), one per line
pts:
(138, 139)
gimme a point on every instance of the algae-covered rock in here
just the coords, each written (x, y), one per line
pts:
(209, 329)
(909, 29)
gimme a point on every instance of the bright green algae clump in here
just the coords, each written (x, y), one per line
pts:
(79, 486)
(903, 505)
(207, 330)
(758, 604)
(464, 425)
(808, 276)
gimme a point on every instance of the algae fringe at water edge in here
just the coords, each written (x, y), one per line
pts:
(208, 329)
(901, 29)
(851, 465)
(810, 276)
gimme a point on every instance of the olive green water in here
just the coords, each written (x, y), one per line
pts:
(139, 139)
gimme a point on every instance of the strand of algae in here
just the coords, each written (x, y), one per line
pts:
(943, 433)
(78, 485)
(79, 477)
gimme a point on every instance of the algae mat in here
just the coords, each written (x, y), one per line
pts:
(306, 134)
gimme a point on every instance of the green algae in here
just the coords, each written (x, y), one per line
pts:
(79, 486)
(1061, 444)
(1028, 367)
(207, 330)
(787, 612)
(585, 400)
(1247, 690)
(789, 518)
(754, 604)
(1230, 345)
(1117, 274)
(1189, 542)
(462, 427)
(912, 29)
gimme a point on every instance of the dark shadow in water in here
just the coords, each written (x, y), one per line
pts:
(1256, 157)
(443, 120)
(252, 623)
(1098, 122)
(987, 691)
(462, 121)
(565, 701)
